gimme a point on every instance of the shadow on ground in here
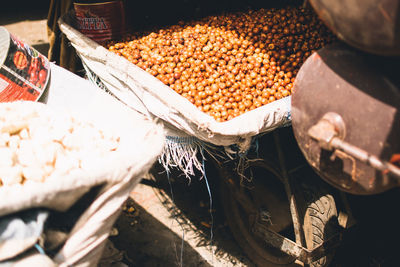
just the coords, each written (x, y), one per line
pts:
(140, 230)
(147, 242)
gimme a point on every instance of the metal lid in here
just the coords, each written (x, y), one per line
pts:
(4, 44)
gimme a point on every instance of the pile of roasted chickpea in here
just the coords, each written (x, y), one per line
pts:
(229, 64)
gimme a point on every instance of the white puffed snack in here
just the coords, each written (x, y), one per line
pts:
(37, 143)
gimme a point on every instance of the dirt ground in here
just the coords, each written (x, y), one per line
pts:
(167, 221)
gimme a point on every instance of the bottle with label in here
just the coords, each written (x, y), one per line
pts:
(100, 20)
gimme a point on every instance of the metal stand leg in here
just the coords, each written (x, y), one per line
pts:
(288, 187)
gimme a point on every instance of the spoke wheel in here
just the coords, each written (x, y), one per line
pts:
(258, 195)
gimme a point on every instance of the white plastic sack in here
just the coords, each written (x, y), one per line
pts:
(138, 146)
(141, 140)
(145, 93)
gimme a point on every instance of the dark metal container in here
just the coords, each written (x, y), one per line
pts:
(369, 25)
(101, 21)
(24, 72)
(364, 90)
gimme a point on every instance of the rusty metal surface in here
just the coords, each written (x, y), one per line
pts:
(370, 25)
(364, 91)
(365, 157)
(329, 133)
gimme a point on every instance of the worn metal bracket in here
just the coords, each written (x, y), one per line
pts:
(292, 248)
(330, 132)
(289, 192)
(330, 126)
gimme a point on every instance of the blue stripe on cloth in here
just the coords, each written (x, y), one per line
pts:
(288, 102)
(40, 249)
